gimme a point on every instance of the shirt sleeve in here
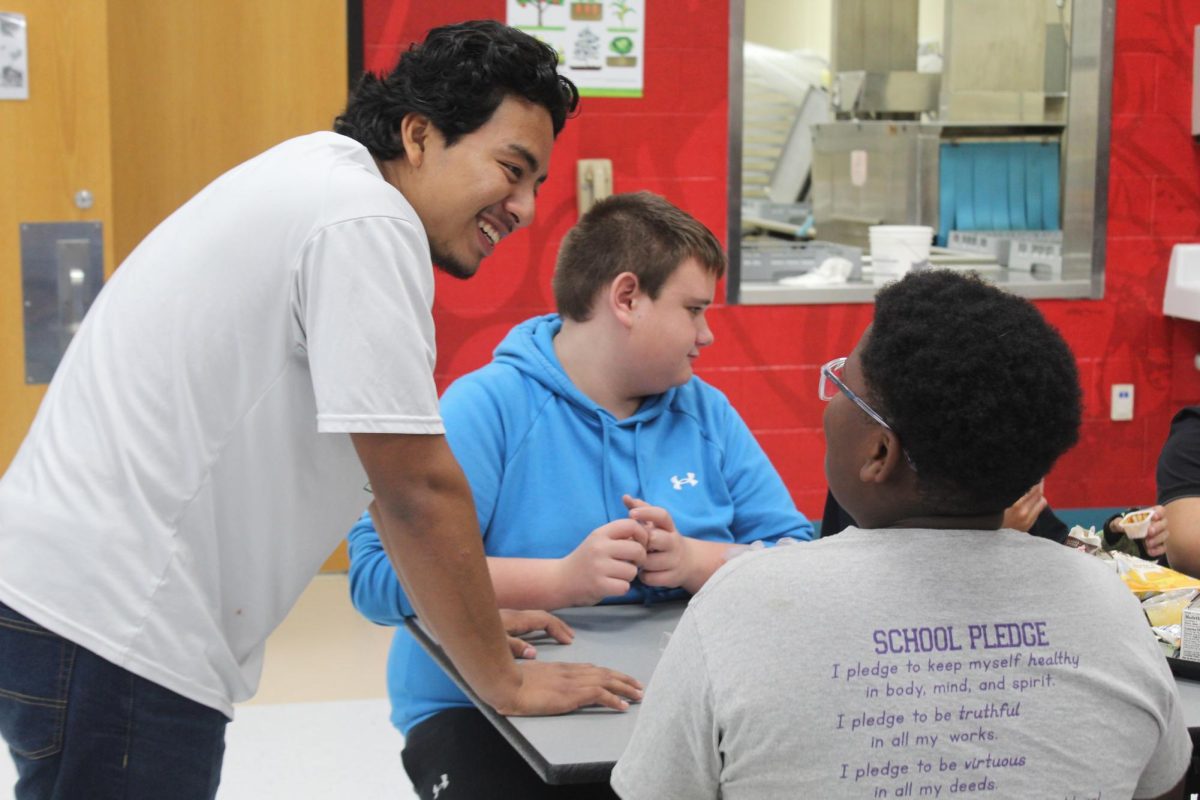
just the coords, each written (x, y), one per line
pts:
(1173, 755)
(363, 300)
(763, 509)
(375, 589)
(1049, 526)
(1178, 473)
(674, 751)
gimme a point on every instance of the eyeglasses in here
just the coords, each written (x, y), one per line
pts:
(831, 383)
(831, 373)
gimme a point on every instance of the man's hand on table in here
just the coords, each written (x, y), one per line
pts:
(517, 623)
(558, 687)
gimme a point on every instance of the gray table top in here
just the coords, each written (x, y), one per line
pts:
(582, 746)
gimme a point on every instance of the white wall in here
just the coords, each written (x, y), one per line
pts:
(791, 24)
(808, 24)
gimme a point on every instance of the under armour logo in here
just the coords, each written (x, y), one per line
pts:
(437, 787)
(679, 482)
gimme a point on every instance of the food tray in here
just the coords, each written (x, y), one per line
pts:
(1183, 668)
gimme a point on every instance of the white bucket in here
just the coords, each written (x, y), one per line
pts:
(895, 249)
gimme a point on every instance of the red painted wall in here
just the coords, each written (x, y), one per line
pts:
(673, 141)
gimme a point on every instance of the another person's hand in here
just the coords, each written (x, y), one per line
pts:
(669, 560)
(605, 563)
(517, 623)
(1155, 543)
(558, 687)
(1024, 512)
(1156, 537)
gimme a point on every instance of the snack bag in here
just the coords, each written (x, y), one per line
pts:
(1146, 577)
(1166, 609)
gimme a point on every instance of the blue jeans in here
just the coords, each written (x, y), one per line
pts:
(80, 726)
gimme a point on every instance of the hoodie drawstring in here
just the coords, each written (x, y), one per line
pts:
(637, 461)
(606, 474)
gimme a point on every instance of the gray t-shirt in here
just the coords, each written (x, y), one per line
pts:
(910, 663)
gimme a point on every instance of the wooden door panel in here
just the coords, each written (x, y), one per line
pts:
(55, 143)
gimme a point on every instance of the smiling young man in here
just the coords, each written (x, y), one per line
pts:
(602, 470)
(926, 652)
(499, 167)
(267, 350)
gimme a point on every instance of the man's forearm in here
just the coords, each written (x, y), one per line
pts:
(426, 521)
(440, 559)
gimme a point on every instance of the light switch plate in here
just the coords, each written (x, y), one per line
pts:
(1122, 402)
(593, 182)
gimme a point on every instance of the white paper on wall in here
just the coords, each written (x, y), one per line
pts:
(600, 44)
(14, 57)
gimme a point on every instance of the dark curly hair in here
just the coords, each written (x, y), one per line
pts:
(457, 77)
(982, 392)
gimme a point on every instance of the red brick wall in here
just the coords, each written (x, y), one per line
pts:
(673, 141)
(1154, 203)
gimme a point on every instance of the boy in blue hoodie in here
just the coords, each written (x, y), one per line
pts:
(602, 469)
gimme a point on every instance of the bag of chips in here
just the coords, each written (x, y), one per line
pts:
(1146, 577)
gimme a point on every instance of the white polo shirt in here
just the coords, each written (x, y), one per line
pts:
(190, 467)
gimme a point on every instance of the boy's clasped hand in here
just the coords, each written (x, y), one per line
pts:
(644, 545)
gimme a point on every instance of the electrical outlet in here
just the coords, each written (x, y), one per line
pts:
(1122, 402)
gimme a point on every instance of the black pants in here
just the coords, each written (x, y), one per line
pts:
(459, 755)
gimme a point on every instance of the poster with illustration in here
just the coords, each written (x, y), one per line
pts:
(599, 44)
(14, 57)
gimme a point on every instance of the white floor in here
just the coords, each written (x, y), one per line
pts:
(314, 750)
(318, 727)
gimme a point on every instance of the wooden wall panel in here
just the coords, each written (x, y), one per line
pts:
(199, 86)
(55, 143)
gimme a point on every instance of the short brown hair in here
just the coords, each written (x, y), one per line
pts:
(640, 233)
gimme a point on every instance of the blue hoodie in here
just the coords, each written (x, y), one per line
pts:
(547, 466)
